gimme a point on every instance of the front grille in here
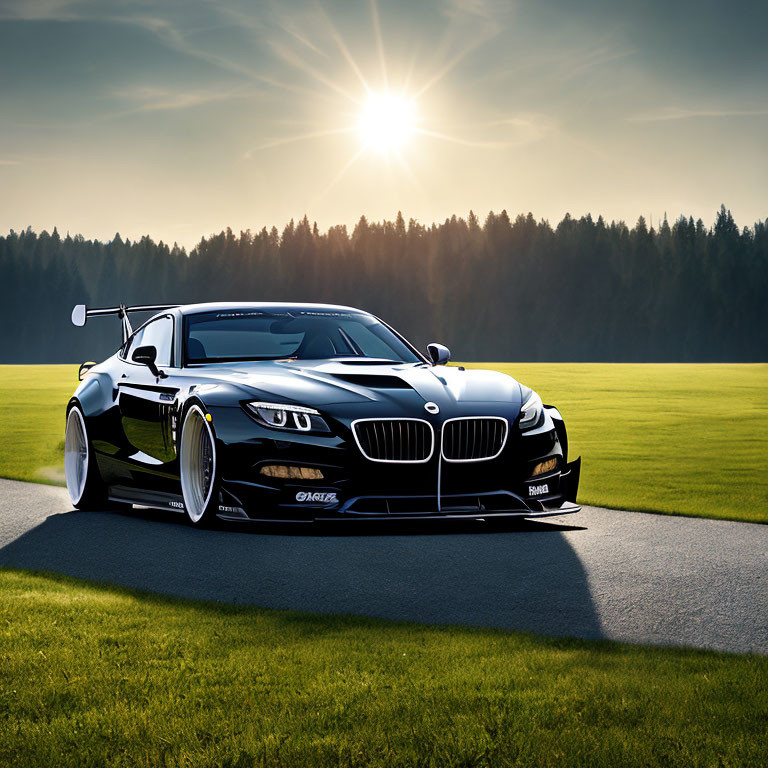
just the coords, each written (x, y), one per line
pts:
(473, 439)
(394, 440)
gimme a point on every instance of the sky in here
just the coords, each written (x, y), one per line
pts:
(179, 118)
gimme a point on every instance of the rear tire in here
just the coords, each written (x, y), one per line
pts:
(197, 463)
(86, 488)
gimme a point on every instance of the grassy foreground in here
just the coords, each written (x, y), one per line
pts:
(91, 675)
(684, 439)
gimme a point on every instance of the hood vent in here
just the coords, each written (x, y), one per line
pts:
(372, 381)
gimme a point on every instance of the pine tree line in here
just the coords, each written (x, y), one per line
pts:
(500, 290)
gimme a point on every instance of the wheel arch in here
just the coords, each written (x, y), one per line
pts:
(195, 399)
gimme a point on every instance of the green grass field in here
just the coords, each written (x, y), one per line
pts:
(99, 676)
(34, 399)
(685, 439)
(677, 438)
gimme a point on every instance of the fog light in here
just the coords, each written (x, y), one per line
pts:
(291, 472)
(544, 466)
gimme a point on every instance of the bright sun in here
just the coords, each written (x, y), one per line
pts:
(387, 121)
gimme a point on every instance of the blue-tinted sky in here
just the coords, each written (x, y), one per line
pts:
(178, 119)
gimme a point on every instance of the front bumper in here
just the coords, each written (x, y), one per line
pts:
(369, 498)
(354, 487)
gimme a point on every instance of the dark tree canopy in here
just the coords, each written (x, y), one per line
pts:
(500, 290)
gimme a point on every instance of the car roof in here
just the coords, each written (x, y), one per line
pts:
(192, 309)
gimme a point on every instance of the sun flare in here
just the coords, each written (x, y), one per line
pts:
(387, 122)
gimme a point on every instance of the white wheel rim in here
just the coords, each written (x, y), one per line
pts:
(75, 455)
(198, 463)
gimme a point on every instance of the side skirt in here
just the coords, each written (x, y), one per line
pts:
(155, 499)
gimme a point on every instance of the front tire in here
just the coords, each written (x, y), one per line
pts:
(84, 483)
(197, 462)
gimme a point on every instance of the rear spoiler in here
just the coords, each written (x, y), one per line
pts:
(81, 313)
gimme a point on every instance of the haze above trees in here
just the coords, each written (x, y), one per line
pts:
(497, 290)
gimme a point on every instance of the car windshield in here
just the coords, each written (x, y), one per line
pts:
(238, 335)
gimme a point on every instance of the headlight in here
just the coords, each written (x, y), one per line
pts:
(530, 412)
(297, 418)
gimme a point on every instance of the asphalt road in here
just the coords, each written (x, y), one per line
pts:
(599, 574)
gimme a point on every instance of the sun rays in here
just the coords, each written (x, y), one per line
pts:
(380, 106)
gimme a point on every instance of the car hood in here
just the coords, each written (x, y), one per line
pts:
(354, 387)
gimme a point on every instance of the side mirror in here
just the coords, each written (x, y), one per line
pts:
(438, 354)
(79, 315)
(147, 356)
(84, 368)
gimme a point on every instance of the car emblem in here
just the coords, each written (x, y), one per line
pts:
(431, 407)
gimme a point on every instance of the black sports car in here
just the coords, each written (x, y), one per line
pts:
(305, 412)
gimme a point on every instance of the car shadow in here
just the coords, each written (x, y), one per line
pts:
(512, 574)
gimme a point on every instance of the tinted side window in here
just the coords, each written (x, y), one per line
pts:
(157, 334)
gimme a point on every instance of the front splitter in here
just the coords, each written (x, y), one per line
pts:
(567, 508)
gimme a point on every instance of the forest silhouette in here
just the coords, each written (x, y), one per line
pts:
(516, 290)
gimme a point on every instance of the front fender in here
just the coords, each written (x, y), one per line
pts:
(94, 394)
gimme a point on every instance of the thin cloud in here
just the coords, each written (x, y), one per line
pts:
(293, 139)
(150, 99)
(490, 11)
(676, 113)
(526, 128)
(462, 141)
(166, 31)
(173, 38)
(596, 58)
(40, 10)
(562, 65)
